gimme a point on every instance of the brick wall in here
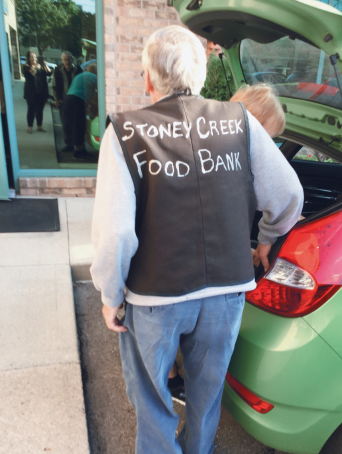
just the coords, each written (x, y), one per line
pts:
(128, 24)
(58, 187)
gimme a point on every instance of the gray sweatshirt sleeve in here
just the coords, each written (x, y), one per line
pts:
(113, 230)
(278, 191)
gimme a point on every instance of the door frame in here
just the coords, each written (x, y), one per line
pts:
(6, 78)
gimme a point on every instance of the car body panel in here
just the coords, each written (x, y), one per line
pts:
(313, 120)
(327, 321)
(301, 432)
(280, 366)
(279, 349)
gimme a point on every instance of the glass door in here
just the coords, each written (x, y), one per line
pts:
(54, 83)
(4, 189)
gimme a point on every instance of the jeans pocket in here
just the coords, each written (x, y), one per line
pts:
(235, 298)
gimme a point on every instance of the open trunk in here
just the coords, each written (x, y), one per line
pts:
(319, 170)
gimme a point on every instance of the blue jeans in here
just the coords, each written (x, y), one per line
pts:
(206, 331)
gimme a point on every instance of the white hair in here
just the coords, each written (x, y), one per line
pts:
(176, 60)
(66, 52)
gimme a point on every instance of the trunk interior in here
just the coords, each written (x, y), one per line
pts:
(321, 178)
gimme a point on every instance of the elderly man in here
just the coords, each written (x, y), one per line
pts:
(178, 185)
(62, 78)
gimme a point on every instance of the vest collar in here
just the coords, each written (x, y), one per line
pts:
(186, 92)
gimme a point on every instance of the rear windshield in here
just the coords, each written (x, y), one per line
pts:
(296, 69)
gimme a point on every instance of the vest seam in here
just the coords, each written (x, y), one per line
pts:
(199, 191)
(248, 140)
(195, 289)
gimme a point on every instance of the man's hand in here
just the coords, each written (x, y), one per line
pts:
(262, 252)
(111, 319)
(56, 102)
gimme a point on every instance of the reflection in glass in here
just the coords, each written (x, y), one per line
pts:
(60, 36)
(296, 69)
(36, 91)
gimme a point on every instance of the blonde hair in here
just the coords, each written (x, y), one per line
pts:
(262, 102)
(176, 60)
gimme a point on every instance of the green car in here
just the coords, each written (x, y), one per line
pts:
(284, 383)
(93, 131)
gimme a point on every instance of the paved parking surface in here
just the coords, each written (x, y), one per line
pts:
(110, 417)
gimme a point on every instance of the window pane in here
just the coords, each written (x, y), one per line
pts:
(296, 69)
(309, 154)
(55, 88)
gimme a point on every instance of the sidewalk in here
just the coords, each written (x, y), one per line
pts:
(41, 395)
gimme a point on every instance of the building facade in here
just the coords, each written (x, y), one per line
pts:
(41, 169)
(109, 33)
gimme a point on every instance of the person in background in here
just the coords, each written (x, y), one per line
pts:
(211, 47)
(61, 81)
(36, 90)
(262, 102)
(82, 90)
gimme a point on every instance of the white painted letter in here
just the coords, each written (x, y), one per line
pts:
(187, 128)
(163, 130)
(231, 127)
(237, 127)
(141, 127)
(230, 161)
(202, 136)
(150, 166)
(205, 160)
(176, 128)
(220, 162)
(178, 163)
(139, 164)
(152, 131)
(212, 127)
(172, 166)
(223, 128)
(126, 126)
(237, 164)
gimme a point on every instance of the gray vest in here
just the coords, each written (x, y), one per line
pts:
(190, 164)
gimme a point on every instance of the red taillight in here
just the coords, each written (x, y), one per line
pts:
(307, 272)
(97, 139)
(259, 405)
